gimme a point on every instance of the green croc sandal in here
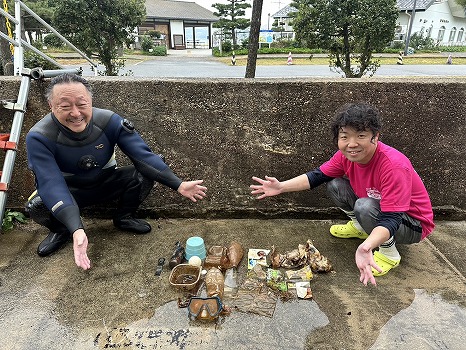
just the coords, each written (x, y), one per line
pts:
(384, 262)
(347, 231)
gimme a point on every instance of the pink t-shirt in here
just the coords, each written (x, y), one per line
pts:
(390, 177)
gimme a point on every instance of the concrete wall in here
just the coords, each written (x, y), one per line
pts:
(226, 131)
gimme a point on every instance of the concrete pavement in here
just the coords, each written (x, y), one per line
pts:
(200, 63)
(48, 303)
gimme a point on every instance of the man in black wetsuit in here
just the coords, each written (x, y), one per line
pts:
(71, 152)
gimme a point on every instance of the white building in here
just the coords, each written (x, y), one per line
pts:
(183, 24)
(442, 20)
(283, 19)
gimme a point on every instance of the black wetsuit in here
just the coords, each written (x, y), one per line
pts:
(74, 170)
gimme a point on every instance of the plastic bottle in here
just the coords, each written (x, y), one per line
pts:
(231, 281)
(177, 256)
(214, 282)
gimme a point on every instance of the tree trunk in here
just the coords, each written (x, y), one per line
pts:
(254, 39)
(233, 38)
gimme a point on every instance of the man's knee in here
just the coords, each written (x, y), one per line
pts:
(37, 210)
(140, 186)
(366, 207)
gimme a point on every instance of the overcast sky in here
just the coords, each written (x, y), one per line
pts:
(268, 6)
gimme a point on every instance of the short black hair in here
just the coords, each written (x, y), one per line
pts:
(66, 78)
(359, 116)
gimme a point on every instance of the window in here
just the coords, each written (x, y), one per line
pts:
(429, 31)
(460, 35)
(452, 35)
(441, 33)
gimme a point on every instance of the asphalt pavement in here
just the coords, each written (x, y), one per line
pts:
(201, 64)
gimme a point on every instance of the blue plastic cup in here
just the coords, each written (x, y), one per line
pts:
(195, 247)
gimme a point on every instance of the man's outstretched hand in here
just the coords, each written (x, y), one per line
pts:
(365, 262)
(80, 249)
(267, 187)
(192, 190)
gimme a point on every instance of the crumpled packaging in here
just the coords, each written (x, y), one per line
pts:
(303, 290)
(254, 297)
(302, 274)
(305, 254)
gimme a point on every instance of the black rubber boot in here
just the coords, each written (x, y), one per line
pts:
(53, 242)
(129, 223)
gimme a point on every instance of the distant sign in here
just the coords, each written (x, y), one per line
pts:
(266, 36)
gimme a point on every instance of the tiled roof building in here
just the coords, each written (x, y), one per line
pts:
(183, 24)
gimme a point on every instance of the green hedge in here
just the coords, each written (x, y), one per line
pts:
(266, 50)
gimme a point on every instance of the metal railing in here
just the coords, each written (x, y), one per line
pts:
(19, 43)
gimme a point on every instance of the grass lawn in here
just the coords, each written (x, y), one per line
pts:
(241, 61)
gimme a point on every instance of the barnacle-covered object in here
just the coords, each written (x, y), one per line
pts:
(305, 254)
(235, 254)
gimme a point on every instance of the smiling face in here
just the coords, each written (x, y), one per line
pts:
(357, 146)
(71, 103)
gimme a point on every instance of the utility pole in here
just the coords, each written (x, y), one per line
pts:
(411, 20)
(254, 39)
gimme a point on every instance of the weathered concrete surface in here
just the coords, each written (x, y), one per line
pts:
(225, 131)
(49, 304)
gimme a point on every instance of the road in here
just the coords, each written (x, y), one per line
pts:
(185, 65)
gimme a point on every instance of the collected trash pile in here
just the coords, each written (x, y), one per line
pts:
(209, 278)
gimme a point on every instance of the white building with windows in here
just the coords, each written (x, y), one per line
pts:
(442, 20)
(182, 24)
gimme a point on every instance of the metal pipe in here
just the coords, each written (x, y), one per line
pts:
(6, 37)
(45, 24)
(411, 20)
(10, 17)
(18, 56)
(39, 73)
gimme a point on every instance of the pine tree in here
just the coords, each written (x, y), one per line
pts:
(231, 17)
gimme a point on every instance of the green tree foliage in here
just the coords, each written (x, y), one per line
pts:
(231, 17)
(351, 30)
(421, 42)
(99, 27)
(53, 40)
(461, 2)
(44, 9)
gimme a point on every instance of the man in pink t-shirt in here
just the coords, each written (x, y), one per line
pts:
(374, 184)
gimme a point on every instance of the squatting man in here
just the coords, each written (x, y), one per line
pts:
(374, 184)
(71, 152)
